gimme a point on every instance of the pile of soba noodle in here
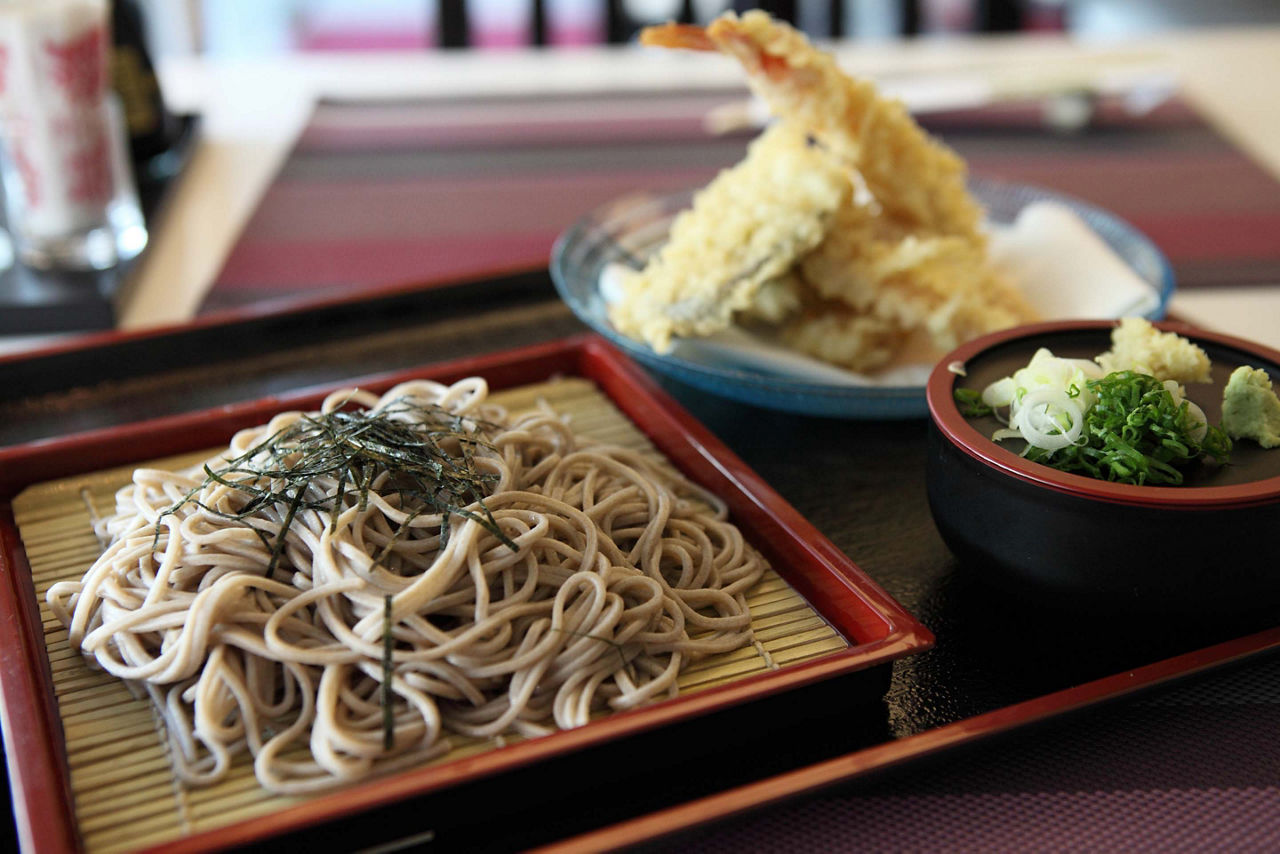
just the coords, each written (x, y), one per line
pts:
(582, 578)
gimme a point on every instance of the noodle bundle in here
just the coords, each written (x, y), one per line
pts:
(340, 591)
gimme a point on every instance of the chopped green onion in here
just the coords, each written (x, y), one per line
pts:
(1135, 433)
(970, 402)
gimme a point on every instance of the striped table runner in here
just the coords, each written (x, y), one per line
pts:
(1190, 768)
(378, 194)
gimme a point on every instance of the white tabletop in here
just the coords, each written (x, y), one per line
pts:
(253, 111)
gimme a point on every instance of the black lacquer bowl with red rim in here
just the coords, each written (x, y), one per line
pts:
(1210, 546)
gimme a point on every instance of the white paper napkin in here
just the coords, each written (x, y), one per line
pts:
(1063, 267)
(1067, 270)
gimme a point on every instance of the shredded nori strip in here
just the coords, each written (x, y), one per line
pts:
(404, 438)
(388, 673)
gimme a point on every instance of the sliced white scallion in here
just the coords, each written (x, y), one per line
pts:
(1048, 418)
(999, 393)
(1046, 400)
(1197, 423)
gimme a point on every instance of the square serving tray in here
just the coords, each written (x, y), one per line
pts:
(999, 667)
(755, 712)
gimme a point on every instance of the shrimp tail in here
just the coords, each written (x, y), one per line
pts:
(914, 177)
(723, 35)
(680, 36)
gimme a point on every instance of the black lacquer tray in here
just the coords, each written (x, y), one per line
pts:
(999, 662)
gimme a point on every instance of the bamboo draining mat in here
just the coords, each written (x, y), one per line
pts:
(126, 795)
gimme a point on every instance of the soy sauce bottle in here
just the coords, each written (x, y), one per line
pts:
(151, 126)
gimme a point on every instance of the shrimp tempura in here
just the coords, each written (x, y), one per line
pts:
(848, 229)
(746, 228)
(914, 178)
(942, 284)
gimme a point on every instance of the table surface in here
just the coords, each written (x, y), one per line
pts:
(252, 115)
(253, 112)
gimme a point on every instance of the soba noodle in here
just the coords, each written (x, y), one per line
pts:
(343, 632)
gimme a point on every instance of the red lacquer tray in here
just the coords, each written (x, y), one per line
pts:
(878, 629)
(777, 790)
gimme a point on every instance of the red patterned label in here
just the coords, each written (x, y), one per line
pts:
(89, 170)
(31, 183)
(79, 66)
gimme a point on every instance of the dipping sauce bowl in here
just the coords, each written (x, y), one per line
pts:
(1210, 545)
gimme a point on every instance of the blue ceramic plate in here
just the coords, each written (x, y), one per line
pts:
(632, 228)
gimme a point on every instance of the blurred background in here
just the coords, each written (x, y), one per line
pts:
(330, 143)
(264, 27)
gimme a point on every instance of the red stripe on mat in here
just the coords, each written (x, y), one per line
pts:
(298, 265)
(448, 207)
(356, 207)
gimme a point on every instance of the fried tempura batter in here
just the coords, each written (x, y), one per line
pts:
(942, 284)
(915, 178)
(833, 332)
(747, 227)
(898, 247)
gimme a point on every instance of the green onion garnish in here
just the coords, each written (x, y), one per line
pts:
(969, 400)
(1135, 433)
